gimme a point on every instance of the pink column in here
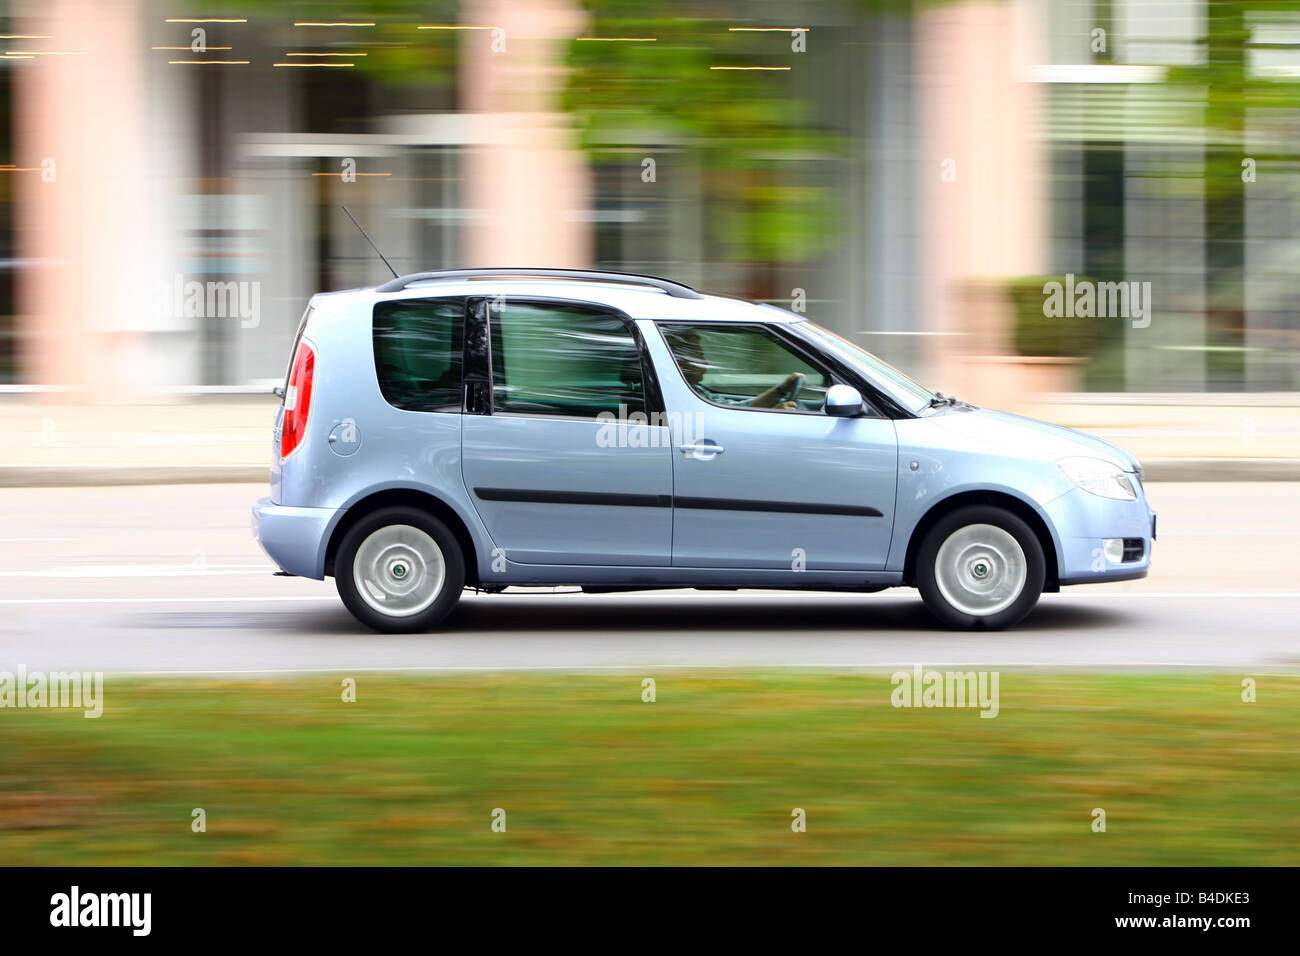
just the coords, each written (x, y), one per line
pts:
(988, 220)
(84, 230)
(526, 186)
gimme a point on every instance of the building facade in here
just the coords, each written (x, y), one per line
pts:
(974, 143)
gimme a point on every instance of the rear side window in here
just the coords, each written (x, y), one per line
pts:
(564, 360)
(418, 353)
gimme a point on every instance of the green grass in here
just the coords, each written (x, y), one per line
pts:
(709, 773)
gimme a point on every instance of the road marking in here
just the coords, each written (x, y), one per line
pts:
(1227, 534)
(253, 599)
(170, 600)
(1214, 595)
(140, 571)
(637, 668)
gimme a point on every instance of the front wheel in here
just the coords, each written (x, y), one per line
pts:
(980, 567)
(399, 570)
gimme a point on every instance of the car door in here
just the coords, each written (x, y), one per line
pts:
(770, 481)
(559, 457)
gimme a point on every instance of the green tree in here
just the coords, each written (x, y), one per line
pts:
(744, 130)
(1231, 91)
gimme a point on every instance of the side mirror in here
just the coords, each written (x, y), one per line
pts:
(843, 401)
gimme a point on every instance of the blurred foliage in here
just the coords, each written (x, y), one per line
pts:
(397, 54)
(745, 130)
(750, 135)
(1041, 335)
(1224, 82)
(1231, 91)
(410, 772)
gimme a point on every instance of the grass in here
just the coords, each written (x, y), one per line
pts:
(587, 773)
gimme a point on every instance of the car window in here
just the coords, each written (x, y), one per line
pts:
(564, 360)
(746, 366)
(418, 352)
(910, 394)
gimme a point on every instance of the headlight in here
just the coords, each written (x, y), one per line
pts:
(1098, 477)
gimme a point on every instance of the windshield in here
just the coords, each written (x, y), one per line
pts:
(911, 395)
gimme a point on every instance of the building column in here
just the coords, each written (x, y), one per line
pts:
(985, 211)
(93, 218)
(527, 184)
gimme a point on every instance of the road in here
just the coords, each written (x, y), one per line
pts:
(167, 579)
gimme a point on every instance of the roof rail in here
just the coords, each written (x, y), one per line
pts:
(675, 289)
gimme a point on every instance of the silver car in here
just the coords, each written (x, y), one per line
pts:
(494, 428)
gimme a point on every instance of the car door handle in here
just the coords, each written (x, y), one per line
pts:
(703, 451)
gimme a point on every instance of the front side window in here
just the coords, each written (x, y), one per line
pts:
(909, 394)
(746, 366)
(569, 360)
(418, 352)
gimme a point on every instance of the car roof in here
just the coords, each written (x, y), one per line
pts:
(638, 302)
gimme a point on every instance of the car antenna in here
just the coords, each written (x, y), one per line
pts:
(369, 240)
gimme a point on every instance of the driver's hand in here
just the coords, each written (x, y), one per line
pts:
(787, 405)
(791, 380)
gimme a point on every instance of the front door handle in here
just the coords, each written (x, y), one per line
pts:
(702, 451)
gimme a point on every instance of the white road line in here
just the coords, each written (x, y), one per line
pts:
(254, 599)
(139, 571)
(171, 600)
(1215, 595)
(1227, 534)
(639, 668)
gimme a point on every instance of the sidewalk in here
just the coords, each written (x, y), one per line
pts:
(225, 438)
(217, 439)
(1191, 438)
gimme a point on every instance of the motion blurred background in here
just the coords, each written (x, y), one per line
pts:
(912, 171)
(910, 174)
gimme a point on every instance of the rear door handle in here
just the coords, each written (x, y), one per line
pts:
(702, 451)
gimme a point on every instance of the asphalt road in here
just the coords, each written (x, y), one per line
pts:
(167, 579)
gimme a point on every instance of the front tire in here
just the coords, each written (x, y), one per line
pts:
(980, 567)
(399, 570)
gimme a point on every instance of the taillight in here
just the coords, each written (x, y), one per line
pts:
(297, 400)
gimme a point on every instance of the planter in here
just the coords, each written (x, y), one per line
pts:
(1013, 383)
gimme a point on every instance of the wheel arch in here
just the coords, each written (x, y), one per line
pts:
(993, 498)
(410, 498)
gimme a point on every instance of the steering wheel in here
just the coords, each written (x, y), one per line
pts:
(795, 389)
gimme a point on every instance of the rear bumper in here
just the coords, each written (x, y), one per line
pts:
(294, 538)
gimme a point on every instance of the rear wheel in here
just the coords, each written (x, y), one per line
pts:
(980, 567)
(399, 570)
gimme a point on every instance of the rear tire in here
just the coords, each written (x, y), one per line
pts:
(980, 567)
(399, 570)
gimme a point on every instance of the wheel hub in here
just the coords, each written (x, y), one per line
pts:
(981, 569)
(399, 570)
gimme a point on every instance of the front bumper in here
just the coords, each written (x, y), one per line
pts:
(294, 538)
(1083, 521)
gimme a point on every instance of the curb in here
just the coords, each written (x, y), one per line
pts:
(70, 476)
(1221, 469)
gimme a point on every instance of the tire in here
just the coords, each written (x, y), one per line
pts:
(399, 570)
(980, 568)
